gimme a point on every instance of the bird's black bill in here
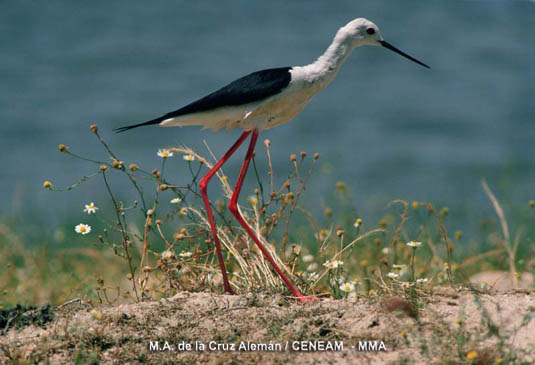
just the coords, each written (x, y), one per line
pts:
(392, 48)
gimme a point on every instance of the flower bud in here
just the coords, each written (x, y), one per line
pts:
(62, 148)
(133, 167)
(93, 128)
(47, 185)
(316, 156)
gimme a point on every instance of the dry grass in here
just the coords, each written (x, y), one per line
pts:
(148, 249)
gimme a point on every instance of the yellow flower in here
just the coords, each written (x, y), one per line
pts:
(471, 355)
(415, 205)
(189, 158)
(458, 320)
(47, 185)
(96, 314)
(183, 211)
(357, 223)
(364, 263)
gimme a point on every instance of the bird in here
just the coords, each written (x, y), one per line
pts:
(263, 100)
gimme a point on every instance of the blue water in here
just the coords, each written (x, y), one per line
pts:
(387, 127)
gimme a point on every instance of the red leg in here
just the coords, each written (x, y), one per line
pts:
(233, 206)
(203, 184)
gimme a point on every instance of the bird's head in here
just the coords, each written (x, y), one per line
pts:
(362, 32)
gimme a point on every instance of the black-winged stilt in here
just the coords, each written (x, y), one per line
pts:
(263, 100)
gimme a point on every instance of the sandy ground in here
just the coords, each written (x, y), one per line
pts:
(493, 324)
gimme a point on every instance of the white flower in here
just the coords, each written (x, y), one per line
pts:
(308, 258)
(414, 244)
(83, 228)
(392, 275)
(385, 251)
(185, 254)
(176, 200)
(313, 276)
(333, 264)
(406, 285)
(253, 200)
(90, 208)
(167, 255)
(164, 153)
(422, 281)
(347, 287)
(357, 223)
(189, 158)
(313, 266)
(215, 279)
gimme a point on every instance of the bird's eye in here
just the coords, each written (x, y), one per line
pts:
(370, 31)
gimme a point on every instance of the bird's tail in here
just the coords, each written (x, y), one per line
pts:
(150, 122)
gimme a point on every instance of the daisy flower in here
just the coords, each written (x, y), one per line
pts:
(83, 228)
(392, 275)
(313, 276)
(185, 254)
(347, 287)
(422, 281)
(164, 153)
(333, 264)
(189, 158)
(90, 208)
(167, 255)
(215, 280)
(183, 211)
(176, 200)
(357, 223)
(414, 244)
(385, 251)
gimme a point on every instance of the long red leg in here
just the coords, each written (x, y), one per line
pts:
(203, 184)
(233, 206)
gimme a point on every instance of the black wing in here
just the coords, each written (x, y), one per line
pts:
(253, 87)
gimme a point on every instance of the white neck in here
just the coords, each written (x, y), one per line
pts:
(326, 67)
